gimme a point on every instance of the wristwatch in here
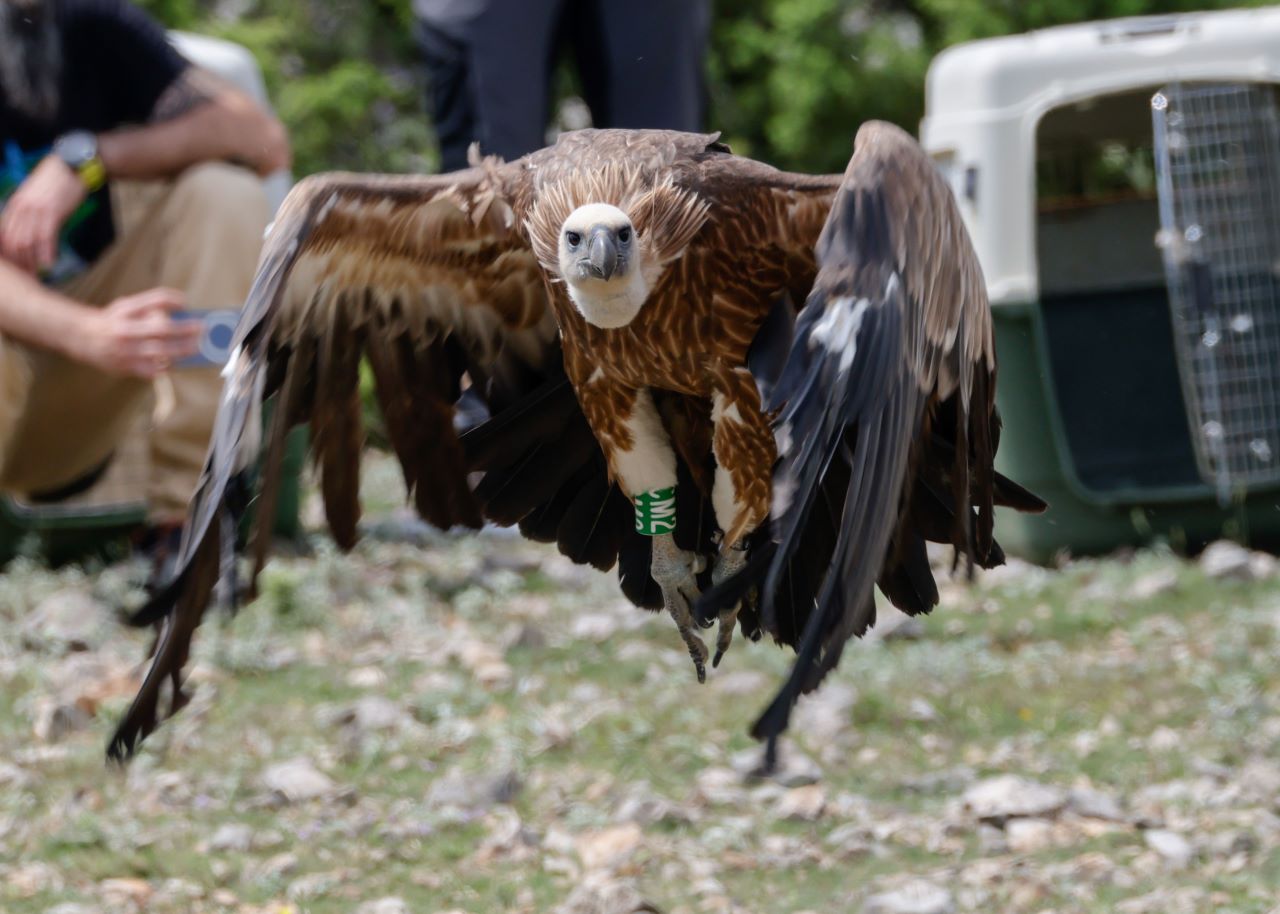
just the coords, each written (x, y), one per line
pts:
(79, 150)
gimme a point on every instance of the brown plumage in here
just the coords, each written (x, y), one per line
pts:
(617, 306)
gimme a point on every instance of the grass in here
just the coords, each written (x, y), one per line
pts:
(1063, 677)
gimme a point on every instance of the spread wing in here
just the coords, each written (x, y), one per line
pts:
(887, 427)
(428, 279)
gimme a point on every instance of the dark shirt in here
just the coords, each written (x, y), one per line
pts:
(116, 63)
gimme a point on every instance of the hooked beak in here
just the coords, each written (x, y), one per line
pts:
(603, 253)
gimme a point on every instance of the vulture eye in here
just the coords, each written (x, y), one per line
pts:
(624, 235)
(573, 238)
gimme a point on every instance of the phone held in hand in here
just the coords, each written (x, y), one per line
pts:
(215, 340)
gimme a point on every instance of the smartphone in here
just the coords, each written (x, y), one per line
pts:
(219, 326)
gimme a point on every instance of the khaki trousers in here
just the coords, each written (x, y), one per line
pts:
(200, 233)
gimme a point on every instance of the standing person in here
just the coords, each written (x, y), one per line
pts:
(130, 190)
(490, 64)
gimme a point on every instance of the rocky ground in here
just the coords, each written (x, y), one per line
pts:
(437, 724)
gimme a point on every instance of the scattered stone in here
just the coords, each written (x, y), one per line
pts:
(72, 907)
(721, 786)
(33, 878)
(232, 836)
(1185, 900)
(474, 793)
(825, 714)
(118, 892)
(177, 894)
(802, 804)
(1211, 769)
(949, 780)
(388, 905)
(372, 714)
(1225, 560)
(525, 636)
(1233, 843)
(1174, 849)
(850, 840)
(894, 625)
(1094, 804)
(1014, 571)
(14, 777)
(916, 897)
(992, 841)
(312, 885)
(508, 839)
(1164, 739)
(596, 627)
(644, 807)
(485, 663)
(276, 868)
(922, 711)
(69, 620)
(1008, 796)
(297, 780)
(55, 720)
(1154, 584)
(601, 850)
(1262, 565)
(1261, 779)
(366, 677)
(740, 683)
(600, 895)
(794, 768)
(1027, 836)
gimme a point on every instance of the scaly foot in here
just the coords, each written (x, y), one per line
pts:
(676, 573)
(730, 561)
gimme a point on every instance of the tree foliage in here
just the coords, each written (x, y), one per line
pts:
(789, 80)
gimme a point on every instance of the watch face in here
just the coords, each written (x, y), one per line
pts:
(76, 148)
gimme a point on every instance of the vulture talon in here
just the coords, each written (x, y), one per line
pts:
(731, 560)
(674, 570)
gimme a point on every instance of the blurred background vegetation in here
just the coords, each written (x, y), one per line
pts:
(789, 80)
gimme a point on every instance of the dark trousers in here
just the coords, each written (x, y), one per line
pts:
(640, 65)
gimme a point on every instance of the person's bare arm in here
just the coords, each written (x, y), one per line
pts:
(133, 335)
(199, 118)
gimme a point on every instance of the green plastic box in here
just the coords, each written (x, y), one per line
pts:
(60, 534)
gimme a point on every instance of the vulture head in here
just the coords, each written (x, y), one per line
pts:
(600, 262)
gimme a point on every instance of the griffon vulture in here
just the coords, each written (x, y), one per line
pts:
(619, 309)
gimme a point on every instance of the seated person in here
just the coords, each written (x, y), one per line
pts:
(129, 186)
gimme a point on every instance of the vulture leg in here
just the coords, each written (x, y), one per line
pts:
(676, 572)
(731, 560)
(641, 458)
(745, 453)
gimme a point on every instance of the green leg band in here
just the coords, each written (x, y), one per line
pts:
(656, 511)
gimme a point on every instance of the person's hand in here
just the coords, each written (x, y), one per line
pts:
(136, 335)
(37, 210)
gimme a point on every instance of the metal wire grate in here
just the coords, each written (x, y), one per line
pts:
(1217, 150)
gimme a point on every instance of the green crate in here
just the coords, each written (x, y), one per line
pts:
(1116, 470)
(60, 535)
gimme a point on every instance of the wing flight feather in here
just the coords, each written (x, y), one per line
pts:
(887, 425)
(430, 277)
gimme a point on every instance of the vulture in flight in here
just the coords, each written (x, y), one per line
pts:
(758, 394)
